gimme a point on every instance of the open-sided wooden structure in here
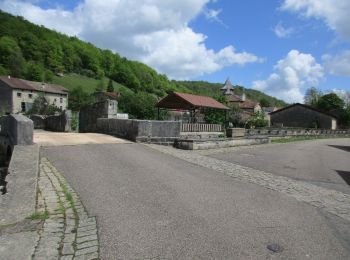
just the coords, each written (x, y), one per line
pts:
(188, 102)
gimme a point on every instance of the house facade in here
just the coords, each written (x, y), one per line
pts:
(303, 116)
(18, 95)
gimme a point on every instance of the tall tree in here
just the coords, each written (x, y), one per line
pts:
(330, 102)
(312, 96)
(11, 56)
(100, 85)
(110, 87)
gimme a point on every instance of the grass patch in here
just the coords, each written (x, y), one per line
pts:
(73, 80)
(68, 195)
(302, 138)
(42, 215)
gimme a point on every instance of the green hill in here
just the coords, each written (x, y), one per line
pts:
(36, 53)
(72, 80)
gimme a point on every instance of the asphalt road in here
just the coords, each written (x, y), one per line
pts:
(323, 162)
(152, 206)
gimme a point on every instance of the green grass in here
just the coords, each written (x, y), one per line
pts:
(39, 215)
(301, 138)
(71, 81)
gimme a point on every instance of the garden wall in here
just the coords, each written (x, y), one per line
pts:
(162, 132)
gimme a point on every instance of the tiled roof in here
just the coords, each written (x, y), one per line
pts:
(15, 83)
(112, 95)
(177, 100)
(32, 85)
(234, 98)
(247, 104)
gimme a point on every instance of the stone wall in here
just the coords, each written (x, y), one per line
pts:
(38, 121)
(296, 132)
(5, 98)
(59, 123)
(299, 116)
(18, 128)
(88, 116)
(163, 132)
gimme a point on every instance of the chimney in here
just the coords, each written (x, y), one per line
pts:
(243, 97)
(9, 76)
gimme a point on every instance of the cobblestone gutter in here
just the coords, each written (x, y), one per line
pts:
(67, 232)
(332, 201)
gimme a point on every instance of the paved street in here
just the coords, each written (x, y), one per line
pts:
(161, 203)
(325, 162)
(47, 138)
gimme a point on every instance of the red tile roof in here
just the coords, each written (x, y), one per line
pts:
(177, 100)
(247, 104)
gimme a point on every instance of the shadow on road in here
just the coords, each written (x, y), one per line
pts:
(345, 175)
(341, 147)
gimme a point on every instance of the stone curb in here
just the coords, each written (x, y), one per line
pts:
(68, 231)
(332, 201)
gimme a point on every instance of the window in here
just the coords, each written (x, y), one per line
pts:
(19, 94)
(61, 100)
(61, 107)
(55, 100)
(23, 106)
(30, 95)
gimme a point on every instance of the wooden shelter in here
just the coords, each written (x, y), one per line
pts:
(188, 102)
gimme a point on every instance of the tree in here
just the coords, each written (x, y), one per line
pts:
(257, 120)
(110, 87)
(312, 96)
(79, 99)
(215, 116)
(11, 56)
(100, 85)
(34, 72)
(330, 102)
(139, 105)
(264, 102)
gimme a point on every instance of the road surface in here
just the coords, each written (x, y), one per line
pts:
(150, 205)
(323, 162)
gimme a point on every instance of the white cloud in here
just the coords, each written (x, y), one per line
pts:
(293, 74)
(334, 13)
(282, 32)
(153, 31)
(339, 64)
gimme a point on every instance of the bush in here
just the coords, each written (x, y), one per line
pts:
(257, 120)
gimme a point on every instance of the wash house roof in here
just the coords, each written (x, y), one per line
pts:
(182, 101)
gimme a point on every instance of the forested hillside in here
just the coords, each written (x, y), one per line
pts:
(36, 53)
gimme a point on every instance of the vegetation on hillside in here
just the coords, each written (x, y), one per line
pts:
(213, 89)
(36, 53)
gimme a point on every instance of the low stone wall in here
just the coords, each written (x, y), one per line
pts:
(296, 132)
(196, 144)
(235, 132)
(20, 200)
(18, 129)
(59, 123)
(38, 121)
(163, 132)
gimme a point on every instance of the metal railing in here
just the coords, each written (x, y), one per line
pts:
(187, 127)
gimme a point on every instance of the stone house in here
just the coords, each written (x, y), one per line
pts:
(241, 101)
(303, 116)
(18, 95)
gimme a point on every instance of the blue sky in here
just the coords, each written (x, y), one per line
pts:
(280, 47)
